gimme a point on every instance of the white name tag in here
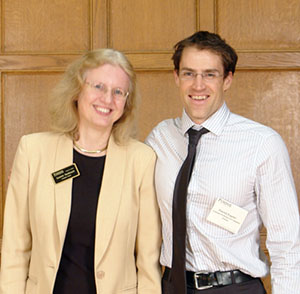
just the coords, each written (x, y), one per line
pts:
(227, 215)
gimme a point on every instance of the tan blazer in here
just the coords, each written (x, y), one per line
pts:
(127, 241)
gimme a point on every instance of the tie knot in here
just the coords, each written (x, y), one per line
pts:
(194, 135)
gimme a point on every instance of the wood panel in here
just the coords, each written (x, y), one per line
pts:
(260, 25)
(159, 101)
(145, 61)
(45, 26)
(1, 33)
(2, 157)
(99, 23)
(150, 25)
(207, 21)
(149, 61)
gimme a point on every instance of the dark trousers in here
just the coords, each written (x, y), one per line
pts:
(254, 286)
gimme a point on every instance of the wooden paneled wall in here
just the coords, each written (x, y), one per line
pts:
(39, 38)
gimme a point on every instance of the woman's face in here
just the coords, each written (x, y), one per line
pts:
(103, 97)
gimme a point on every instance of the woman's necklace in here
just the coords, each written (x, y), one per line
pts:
(89, 151)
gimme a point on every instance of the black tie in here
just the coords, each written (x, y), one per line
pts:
(178, 278)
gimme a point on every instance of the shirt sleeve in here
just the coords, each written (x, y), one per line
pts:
(16, 243)
(278, 208)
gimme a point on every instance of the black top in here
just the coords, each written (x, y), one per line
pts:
(76, 269)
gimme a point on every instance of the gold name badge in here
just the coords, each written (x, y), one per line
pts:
(66, 173)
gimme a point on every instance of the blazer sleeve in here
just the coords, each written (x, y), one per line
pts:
(148, 240)
(16, 244)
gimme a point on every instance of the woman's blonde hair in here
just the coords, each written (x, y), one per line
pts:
(63, 102)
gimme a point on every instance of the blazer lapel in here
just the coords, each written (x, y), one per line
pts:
(110, 196)
(63, 190)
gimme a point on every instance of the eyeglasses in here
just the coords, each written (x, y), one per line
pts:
(117, 93)
(209, 76)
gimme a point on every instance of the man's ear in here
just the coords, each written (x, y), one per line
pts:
(176, 76)
(227, 81)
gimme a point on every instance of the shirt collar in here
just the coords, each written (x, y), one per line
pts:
(215, 124)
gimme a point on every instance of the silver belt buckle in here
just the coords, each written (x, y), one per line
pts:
(196, 275)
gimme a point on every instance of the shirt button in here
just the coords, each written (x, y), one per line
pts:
(100, 275)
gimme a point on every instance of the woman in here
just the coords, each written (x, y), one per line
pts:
(81, 214)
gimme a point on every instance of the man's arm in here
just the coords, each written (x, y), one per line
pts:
(278, 208)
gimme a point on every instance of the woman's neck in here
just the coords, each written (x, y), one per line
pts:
(92, 142)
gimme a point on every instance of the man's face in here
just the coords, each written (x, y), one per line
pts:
(201, 95)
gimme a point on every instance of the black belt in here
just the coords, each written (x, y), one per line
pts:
(204, 280)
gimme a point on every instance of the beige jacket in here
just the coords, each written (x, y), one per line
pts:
(127, 241)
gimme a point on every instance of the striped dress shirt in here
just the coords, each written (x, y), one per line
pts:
(247, 164)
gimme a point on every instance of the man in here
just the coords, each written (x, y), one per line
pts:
(240, 180)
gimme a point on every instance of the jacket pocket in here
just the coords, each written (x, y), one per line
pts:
(129, 290)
